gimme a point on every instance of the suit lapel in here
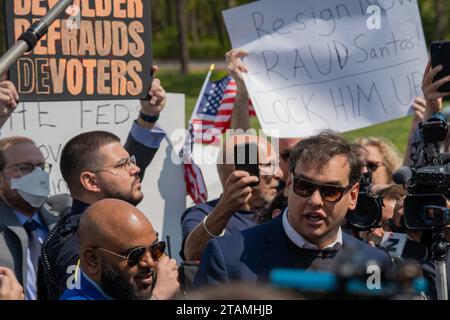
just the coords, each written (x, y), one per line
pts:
(11, 222)
(274, 246)
(49, 217)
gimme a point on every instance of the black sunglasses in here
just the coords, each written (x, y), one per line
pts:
(373, 165)
(135, 255)
(330, 193)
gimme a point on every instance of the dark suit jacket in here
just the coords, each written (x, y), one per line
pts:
(14, 239)
(250, 255)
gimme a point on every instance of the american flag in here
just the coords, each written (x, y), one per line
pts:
(213, 114)
(193, 177)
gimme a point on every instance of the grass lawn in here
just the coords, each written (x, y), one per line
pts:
(396, 130)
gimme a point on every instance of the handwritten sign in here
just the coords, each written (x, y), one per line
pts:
(99, 49)
(52, 124)
(337, 64)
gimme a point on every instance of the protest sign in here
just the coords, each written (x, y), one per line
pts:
(335, 64)
(52, 124)
(98, 49)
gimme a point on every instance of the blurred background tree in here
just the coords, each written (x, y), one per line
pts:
(206, 34)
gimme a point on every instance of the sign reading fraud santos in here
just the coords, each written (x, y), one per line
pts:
(339, 64)
(99, 49)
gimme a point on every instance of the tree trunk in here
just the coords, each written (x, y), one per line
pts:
(441, 17)
(182, 35)
(194, 25)
(217, 21)
(169, 12)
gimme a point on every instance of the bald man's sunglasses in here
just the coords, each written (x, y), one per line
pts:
(135, 255)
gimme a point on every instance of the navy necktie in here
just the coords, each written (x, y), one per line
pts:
(33, 241)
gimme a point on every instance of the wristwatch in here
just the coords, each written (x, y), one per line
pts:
(147, 118)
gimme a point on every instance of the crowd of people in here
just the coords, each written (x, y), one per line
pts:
(94, 244)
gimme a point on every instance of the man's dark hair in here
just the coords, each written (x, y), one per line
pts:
(83, 153)
(394, 191)
(318, 151)
(2, 160)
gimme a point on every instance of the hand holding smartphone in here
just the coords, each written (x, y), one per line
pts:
(246, 158)
(440, 55)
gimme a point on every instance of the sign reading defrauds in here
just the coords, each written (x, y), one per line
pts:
(98, 49)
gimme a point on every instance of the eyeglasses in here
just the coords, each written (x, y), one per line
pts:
(285, 155)
(373, 165)
(128, 163)
(135, 255)
(26, 168)
(305, 188)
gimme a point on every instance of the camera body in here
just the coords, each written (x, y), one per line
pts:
(429, 185)
(369, 209)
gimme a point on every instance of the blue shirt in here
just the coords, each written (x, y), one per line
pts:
(88, 289)
(150, 138)
(42, 231)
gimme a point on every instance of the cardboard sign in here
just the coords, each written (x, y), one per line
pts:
(52, 124)
(332, 64)
(99, 49)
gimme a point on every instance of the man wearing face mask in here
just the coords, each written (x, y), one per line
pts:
(25, 218)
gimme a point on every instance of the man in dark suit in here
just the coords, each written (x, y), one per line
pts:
(25, 217)
(322, 187)
(96, 166)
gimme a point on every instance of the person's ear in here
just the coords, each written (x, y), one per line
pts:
(91, 265)
(89, 181)
(353, 197)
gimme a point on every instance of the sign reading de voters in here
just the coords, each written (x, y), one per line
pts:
(98, 49)
(334, 64)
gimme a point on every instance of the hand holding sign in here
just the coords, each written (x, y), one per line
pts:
(155, 102)
(236, 67)
(9, 99)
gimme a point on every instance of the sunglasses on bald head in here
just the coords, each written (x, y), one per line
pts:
(135, 255)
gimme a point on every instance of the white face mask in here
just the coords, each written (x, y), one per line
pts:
(34, 187)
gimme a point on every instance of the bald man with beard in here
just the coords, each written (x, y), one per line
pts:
(121, 257)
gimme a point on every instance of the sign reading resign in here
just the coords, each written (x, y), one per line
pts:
(99, 49)
(337, 64)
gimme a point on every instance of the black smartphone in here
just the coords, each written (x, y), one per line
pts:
(246, 158)
(440, 55)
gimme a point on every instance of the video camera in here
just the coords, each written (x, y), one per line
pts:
(428, 179)
(349, 277)
(368, 212)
